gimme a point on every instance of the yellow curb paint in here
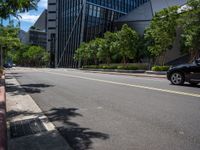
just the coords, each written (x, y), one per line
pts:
(129, 85)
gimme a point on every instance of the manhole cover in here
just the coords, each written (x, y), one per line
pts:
(26, 127)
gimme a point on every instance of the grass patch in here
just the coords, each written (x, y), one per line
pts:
(160, 68)
(119, 66)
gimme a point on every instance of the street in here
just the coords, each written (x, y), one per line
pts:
(115, 112)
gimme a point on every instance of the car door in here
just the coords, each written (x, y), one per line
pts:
(195, 72)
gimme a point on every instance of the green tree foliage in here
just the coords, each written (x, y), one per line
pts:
(36, 56)
(94, 47)
(8, 41)
(27, 55)
(18, 56)
(128, 43)
(13, 7)
(83, 53)
(9, 37)
(108, 47)
(162, 31)
(190, 23)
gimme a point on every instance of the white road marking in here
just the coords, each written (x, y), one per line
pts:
(129, 85)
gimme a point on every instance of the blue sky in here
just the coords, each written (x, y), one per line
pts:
(29, 18)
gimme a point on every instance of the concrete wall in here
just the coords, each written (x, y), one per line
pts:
(157, 5)
(41, 23)
(52, 30)
(140, 18)
(51, 21)
(24, 37)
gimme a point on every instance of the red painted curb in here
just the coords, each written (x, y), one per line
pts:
(3, 128)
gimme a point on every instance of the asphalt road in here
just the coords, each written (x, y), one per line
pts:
(116, 112)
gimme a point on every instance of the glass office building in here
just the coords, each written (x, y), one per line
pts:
(83, 20)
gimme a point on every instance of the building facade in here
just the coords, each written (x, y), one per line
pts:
(52, 31)
(38, 32)
(37, 38)
(71, 22)
(81, 21)
(141, 17)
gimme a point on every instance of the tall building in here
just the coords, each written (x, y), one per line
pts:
(79, 21)
(71, 22)
(52, 31)
(24, 37)
(38, 32)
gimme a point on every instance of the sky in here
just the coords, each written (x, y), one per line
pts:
(29, 18)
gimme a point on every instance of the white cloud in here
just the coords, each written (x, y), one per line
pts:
(42, 4)
(30, 18)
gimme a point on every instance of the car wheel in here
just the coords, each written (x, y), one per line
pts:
(177, 78)
(194, 83)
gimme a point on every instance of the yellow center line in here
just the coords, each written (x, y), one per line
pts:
(129, 85)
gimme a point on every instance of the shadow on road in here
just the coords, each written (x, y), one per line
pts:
(188, 85)
(24, 88)
(28, 88)
(79, 138)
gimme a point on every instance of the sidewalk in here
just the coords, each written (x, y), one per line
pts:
(28, 127)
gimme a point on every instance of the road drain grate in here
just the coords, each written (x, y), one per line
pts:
(26, 127)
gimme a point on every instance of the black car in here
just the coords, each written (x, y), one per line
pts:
(7, 66)
(185, 73)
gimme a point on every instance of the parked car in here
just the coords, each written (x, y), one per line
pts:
(7, 65)
(180, 74)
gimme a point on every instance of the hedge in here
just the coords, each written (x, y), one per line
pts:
(160, 68)
(119, 66)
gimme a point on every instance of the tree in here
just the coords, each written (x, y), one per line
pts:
(27, 55)
(82, 53)
(13, 7)
(190, 23)
(94, 47)
(128, 43)
(162, 31)
(8, 40)
(18, 56)
(141, 51)
(36, 55)
(108, 47)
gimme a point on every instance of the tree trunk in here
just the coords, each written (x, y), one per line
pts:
(108, 60)
(124, 60)
(163, 60)
(1, 51)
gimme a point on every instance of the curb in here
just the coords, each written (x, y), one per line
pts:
(115, 70)
(160, 76)
(157, 72)
(3, 128)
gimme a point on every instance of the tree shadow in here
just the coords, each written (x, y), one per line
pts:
(10, 77)
(26, 88)
(79, 138)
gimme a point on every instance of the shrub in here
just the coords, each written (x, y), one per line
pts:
(119, 66)
(160, 68)
(91, 67)
(132, 67)
(109, 67)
